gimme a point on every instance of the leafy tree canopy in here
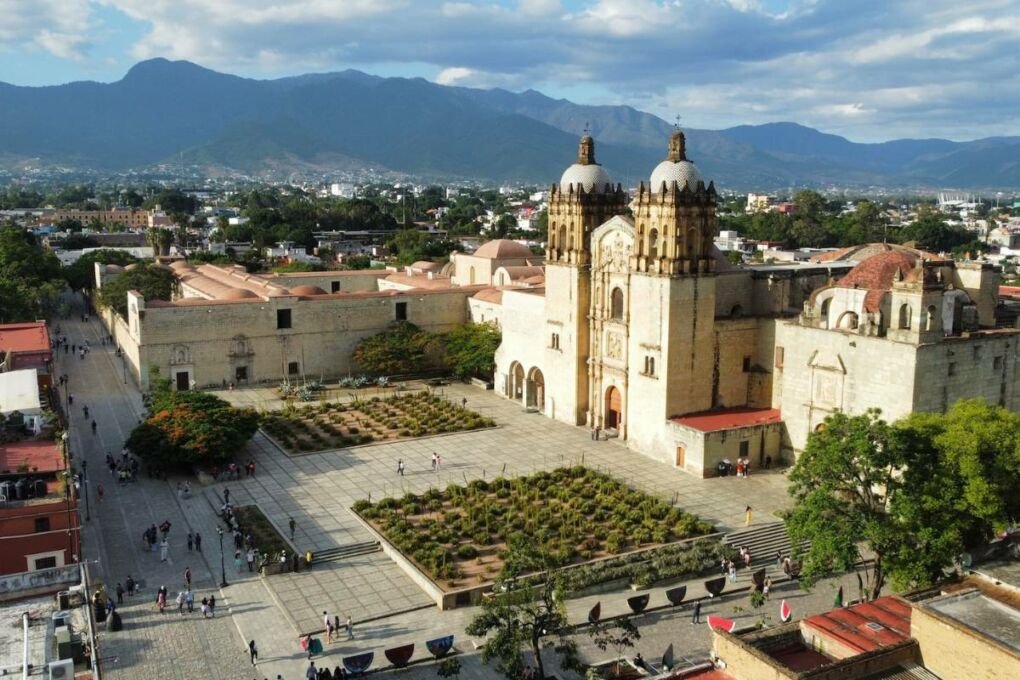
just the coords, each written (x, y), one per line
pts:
(411, 245)
(191, 428)
(154, 283)
(470, 349)
(930, 232)
(402, 348)
(30, 277)
(80, 275)
(915, 494)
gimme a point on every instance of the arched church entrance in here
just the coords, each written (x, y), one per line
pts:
(614, 409)
(536, 389)
(516, 386)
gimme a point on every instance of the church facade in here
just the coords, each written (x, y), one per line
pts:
(648, 334)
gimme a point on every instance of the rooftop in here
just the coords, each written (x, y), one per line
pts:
(867, 626)
(979, 611)
(19, 391)
(35, 453)
(729, 418)
(24, 337)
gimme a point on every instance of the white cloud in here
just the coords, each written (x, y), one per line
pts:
(58, 27)
(867, 68)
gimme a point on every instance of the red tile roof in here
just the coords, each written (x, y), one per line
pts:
(25, 337)
(877, 272)
(729, 418)
(1009, 291)
(44, 455)
(867, 626)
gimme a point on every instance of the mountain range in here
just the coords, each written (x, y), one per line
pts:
(181, 113)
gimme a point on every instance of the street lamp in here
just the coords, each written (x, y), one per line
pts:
(85, 483)
(223, 570)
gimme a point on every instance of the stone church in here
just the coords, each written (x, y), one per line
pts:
(632, 323)
(650, 335)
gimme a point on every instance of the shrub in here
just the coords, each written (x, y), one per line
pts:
(467, 552)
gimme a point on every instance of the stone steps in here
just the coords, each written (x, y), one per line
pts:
(763, 541)
(344, 552)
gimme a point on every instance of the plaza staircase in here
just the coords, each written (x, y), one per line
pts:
(763, 541)
(345, 552)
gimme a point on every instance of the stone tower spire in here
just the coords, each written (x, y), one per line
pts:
(677, 147)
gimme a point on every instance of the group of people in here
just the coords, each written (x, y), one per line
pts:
(186, 600)
(233, 471)
(125, 470)
(729, 567)
(150, 538)
(333, 627)
(313, 673)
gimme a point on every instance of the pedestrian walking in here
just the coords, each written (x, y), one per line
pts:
(435, 461)
(189, 599)
(779, 558)
(747, 516)
(463, 402)
(293, 525)
(70, 399)
(238, 561)
(307, 644)
(164, 550)
(85, 410)
(212, 605)
(164, 528)
(187, 577)
(226, 496)
(191, 541)
(120, 593)
(336, 624)
(198, 541)
(130, 582)
(350, 628)
(180, 603)
(311, 673)
(93, 427)
(250, 557)
(253, 652)
(400, 467)
(161, 600)
(329, 630)
(766, 588)
(439, 462)
(696, 614)
(205, 607)
(100, 491)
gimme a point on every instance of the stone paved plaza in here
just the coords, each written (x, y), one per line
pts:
(317, 491)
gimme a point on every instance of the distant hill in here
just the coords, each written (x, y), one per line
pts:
(163, 111)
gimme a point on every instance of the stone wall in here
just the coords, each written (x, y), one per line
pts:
(951, 650)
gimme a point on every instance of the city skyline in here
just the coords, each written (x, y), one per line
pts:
(868, 71)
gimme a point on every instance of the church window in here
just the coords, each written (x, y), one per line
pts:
(334, 286)
(283, 318)
(650, 366)
(929, 322)
(293, 368)
(616, 304)
(401, 311)
(554, 341)
(823, 313)
(653, 243)
(561, 242)
(747, 364)
(904, 316)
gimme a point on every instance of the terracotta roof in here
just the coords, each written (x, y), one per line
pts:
(307, 290)
(435, 283)
(1009, 291)
(503, 249)
(493, 295)
(521, 272)
(35, 454)
(865, 251)
(426, 266)
(867, 626)
(32, 336)
(879, 271)
(729, 418)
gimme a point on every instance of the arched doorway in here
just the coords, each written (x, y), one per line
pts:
(516, 387)
(614, 409)
(536, 389)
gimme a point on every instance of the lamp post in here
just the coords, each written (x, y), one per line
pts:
(223, 570)
(85, 483)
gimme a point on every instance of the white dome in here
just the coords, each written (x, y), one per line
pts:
(590, 176)
(681, 172)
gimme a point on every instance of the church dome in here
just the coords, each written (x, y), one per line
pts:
(590, 177)
(585, 173)
(676, 167)
(682, 172)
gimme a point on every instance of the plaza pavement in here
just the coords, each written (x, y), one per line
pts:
(317, 490)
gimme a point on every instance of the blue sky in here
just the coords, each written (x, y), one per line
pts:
(868, 69)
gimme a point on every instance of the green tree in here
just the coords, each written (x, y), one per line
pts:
(70, 225)
(153, 282)
(930, 232)
(619, 635)
(30, 277)
(470, 350)
(840, 484)
(190, 428)
(80, 275)
(449, 668)
(402, 348)
(520, 614)
(160, 240)
(808, 227)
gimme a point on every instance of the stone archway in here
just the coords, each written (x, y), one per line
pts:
(536, 389)
(614, 409)
(515, 388)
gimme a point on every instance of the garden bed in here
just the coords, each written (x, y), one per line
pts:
(458, 536)
(378, 419)
(268, 541)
